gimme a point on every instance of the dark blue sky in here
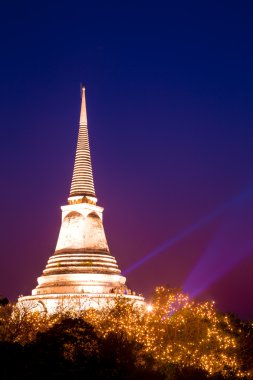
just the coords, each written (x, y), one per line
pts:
(170, 108)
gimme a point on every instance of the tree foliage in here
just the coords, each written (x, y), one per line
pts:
(178, 338)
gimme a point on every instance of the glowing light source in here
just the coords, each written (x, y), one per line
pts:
(149, 308)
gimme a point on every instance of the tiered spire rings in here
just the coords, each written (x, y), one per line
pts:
(82, 186)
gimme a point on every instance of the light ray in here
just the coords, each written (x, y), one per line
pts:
(165, 246)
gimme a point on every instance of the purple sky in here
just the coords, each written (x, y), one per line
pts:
(170, 110)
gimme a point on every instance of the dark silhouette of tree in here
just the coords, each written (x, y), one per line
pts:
(3, 301)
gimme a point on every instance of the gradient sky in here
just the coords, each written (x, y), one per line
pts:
(170, 109)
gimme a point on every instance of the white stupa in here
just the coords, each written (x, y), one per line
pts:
(81, 273)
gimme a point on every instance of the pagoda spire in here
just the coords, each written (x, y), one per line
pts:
(82, 186)
(82, 273)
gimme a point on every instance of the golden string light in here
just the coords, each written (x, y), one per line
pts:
(172, 329)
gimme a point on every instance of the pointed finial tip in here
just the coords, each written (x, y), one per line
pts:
(82, 90)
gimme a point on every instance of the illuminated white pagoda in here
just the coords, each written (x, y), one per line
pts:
(81, 273)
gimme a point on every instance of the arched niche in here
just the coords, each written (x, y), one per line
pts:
(39, 307)
(73, 215)
(94, 215)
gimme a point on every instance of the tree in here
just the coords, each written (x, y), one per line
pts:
(3, 301)
(177, 339)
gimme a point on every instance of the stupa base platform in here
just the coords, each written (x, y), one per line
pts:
(62, 303)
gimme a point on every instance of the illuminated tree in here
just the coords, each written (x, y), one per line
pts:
(20, 325)
(177, 331)
(190, 334)
(173, 337)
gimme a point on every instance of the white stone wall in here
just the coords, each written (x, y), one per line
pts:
(72, 302)
(82, 228)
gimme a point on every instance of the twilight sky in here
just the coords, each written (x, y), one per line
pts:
(169, 90)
